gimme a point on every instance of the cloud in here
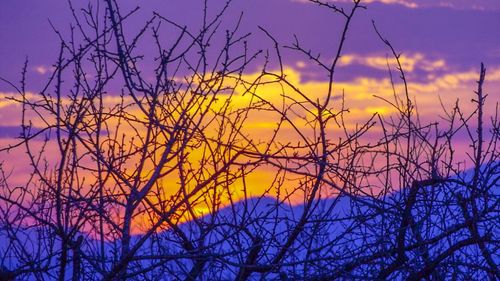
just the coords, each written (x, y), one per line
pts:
(42, 70)
(360, 99)
(360, 92)
(5, 100)
(410, 62)
(10, 132)
(363, 95)
(484, 5)
(406, 3)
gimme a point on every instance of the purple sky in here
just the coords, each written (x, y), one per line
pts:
(443, 41)
(463, 35)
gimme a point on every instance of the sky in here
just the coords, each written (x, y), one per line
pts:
(437, 38)
(442, 45)
(455, 35)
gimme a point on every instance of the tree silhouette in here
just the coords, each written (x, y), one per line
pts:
(151, 182)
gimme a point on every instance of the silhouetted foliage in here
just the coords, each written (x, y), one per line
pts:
(151, 182)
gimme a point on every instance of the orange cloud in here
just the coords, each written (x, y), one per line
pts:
(363, 97)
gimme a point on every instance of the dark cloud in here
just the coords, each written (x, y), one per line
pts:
(9, 132)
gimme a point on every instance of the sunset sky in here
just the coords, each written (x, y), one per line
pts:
(442, 45)
(442, 42)
(249, 139)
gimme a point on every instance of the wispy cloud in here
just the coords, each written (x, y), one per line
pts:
(360, 91)
(485, 5)
(363, 95)
(42, 70)
(406, 3)
(410, 62)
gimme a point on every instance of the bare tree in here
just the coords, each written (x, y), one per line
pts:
(143, 174)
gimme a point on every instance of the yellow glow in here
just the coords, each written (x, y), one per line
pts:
(363, 97)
